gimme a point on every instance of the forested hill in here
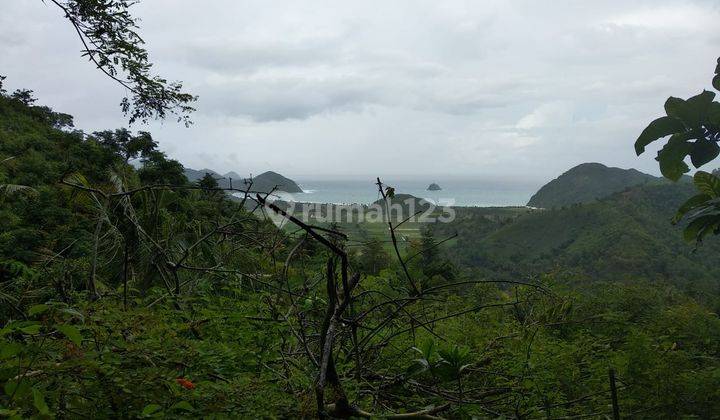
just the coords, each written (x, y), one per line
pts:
(624, 237)
(266, 181)
(585, 183)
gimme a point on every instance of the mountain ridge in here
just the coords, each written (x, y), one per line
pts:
(264, 182)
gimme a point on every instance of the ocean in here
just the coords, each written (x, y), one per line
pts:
(464, 192)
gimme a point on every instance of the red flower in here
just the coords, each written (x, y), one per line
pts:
(185, 383)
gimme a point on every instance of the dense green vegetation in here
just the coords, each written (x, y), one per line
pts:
(626, 237)
(134, 293)
(585, 183)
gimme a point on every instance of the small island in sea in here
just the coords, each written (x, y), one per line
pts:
(434, 187)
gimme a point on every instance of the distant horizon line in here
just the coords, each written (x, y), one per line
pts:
(427, 176)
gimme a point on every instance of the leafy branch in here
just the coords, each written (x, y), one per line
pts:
(110, 40)
(693, 128)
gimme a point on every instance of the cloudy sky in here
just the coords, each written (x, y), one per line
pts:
(326, 88)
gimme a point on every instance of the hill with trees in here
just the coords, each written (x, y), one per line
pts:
(625, 237)
(585, 183)
(264, 182)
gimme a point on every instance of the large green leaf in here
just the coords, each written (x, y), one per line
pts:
(31, 329)
(673, 169)
(692, 203)
(71, 332)
(676, 108)
(700, 227)
(693, 111)
(714, 113)
(661, 127)
(39, 402)
(707, 183)
(672, 155)
(37, 309)
(703, 152)
(182, 405)
(700, 104)
(151, 409)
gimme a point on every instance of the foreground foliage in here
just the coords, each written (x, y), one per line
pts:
(692, 127)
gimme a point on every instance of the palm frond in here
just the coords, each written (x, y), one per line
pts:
(10, 189)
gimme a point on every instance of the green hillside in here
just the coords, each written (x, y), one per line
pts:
(585, 183)
(625, 237)
(266, 181)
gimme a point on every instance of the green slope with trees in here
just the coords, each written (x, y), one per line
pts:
(626, 237)
(585, 183)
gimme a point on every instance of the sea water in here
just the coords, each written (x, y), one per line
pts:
(481, 192)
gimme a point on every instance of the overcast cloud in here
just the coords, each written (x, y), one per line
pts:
(323, 88)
